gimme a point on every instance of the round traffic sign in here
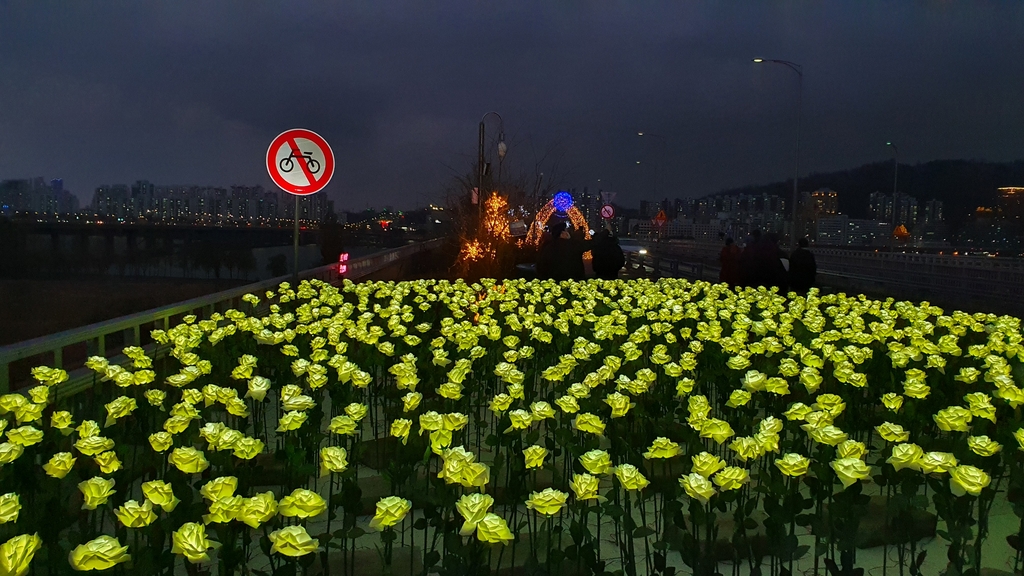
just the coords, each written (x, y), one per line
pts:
(607, 211)
(300, 162)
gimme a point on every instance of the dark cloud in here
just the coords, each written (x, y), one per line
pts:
(192, 92)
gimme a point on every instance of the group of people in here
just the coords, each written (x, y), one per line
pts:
(560, 256)
(762, 263)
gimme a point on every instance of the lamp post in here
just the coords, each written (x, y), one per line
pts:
(481, 165)
(799, 105)
(657, 164)
(895, 174)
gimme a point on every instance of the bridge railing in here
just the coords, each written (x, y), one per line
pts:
(69, 349)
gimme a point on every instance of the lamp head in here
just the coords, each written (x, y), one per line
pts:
(502, 147)
(758, 60)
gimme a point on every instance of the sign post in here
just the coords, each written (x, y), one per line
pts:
(301, 163)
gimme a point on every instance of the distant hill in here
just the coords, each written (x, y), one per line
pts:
(962, 185)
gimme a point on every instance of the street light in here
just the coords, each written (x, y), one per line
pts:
(657, 164)
(799, 104)
(502, 149)
(895, 174)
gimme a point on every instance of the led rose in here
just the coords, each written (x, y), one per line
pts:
(547, 502)
(291, 421)
(541, 411)
(697, 487)
(134, 515)
(292, 541)
(500, 403)
(597, 462)
(850, 470)
(333, 459)
(663, 448)
(430, 421)
(906, 456)
(119, 408)
(188, 460)
(829, 435)
(161, 441)
(953, 419)
(706, 464)
(916, 389)
(731, 478)
(94, 445)
(191, 542)
(344, 426)
(746, 448)
(937, 462)
(493, 530)
(454, 421)
(96, 491)
(411, 401)
(967, 480)
(1019, 437)
(738, 398)
(852, 449)
(798, 411)
(811, 379)
(160, 494)
(630, 477)
(10, 507)
(892, 432)
(440, 440)
(983, 446)
(302, 503)
(619, 403)
(770, 425)
(717, 430)
(390, 511)
(892, 401)
(473, 508)
(684, 387)
(792, 464)
(258, 388)
(258, 509)
(224, 510)
(61, 420)
(587, 422)
(584, 486)
(474, 475)
(534, 456)
(98, 554)
(247, 448)
(59, 465)
(830, 403)
(520, 420)
(17, 553)
(223, 487)
(568, 404)
(25, 436)
(108, 462)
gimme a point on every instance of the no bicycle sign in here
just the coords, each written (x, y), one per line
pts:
(300, 162)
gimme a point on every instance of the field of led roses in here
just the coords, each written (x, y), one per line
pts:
(633, 426)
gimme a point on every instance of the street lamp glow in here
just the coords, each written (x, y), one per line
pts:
(758, 60)
(639, 133)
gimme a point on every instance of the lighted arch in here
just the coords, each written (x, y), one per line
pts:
(545, 214)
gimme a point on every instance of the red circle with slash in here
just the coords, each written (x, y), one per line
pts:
(607, 211)
(300, 162)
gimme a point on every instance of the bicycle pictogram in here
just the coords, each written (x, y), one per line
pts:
(288, 163)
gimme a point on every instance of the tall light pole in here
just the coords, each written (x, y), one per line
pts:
(799, 105)
(895, 174)
(657, 164)
(502, 149)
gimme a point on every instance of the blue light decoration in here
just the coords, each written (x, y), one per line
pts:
(562, 201)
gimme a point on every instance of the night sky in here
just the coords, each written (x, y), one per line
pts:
(193, 92)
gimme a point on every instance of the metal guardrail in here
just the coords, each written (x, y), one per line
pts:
(134, 329)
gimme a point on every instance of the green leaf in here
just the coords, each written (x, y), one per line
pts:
(643, 532)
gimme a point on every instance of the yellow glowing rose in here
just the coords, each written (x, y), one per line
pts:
(119, 408)
(830, 403)
(684, 387)
(333, 459)
(411, 401)
(155, 397)
(25, 436)
(292, 541)
(224, 510)
(568, 404)
(541, 411)
(191, 542)
(291, 421)
(937, 462)
(829, 435)
(188, 460)
(390, 511)
(258, 388)
(584, 486)
(717, 430)
(108, 462)
(798, 411)
(439, 440)
(95, 491)
(135, 515)
(247, 448)
(223, 487)
(587, 422)
(547, 502)
(619, 403)
(454, 421)
(161, 441)
(344, 426)
(967, 480)
(770, 425)
(98, 554)
(851, 449)
(663, 448)
(160, 494)
(707, 464)
(738, 398)
(59, 465)
(520, 420)
(17, 553)
(850, 470)
(980, 405)
(430, 421)
(906, 456)
(94, 445)
(983, 446)
(493, 530)
(792, 464)
(61, 420)
(597, 462)
(302, 503)
(630, 477)
(916, 389)
(10, 506)
(473, 508)
(731, 478)
(258, 509)
(953, 419)
(500, 403)
(534, 456)
(697, 487)
(892, 432)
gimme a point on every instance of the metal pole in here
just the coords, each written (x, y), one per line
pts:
(480, 183)
(796, 171)
(295, 245)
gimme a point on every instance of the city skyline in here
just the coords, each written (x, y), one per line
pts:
(194, 93)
